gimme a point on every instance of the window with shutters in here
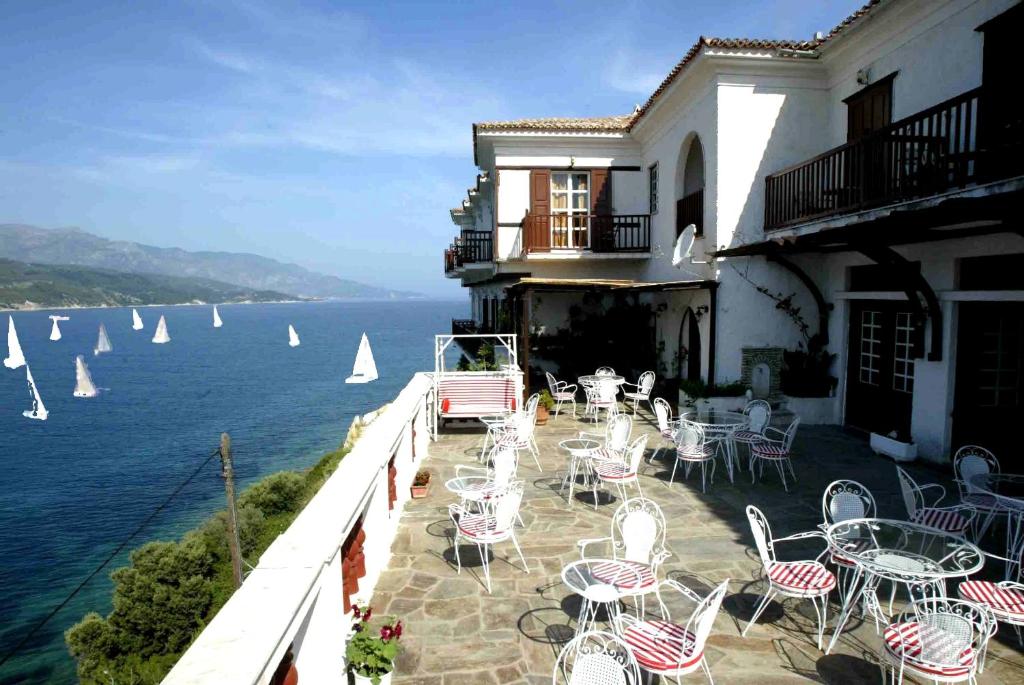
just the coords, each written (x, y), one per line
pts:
(870, 347)
(570, 209)
(903, 357)
(353, 563)
(652, 187)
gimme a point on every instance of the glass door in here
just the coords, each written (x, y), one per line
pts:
(570, 210)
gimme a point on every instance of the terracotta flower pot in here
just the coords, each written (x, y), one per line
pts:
(420, 491)
(542, 415)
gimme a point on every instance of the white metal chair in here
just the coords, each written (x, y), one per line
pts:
(1004, 599)
(622, 472)
(971, 461)
(759, 415)
(938, 639)
(601, 395)
(485, 529)
(801, 579)
(614, 439)
(844, 500)
(604, 371)
(638, 538)
(692, 448)
(561, 391)
(644, 386)
(775, 448)
(517, 433)
(480, 484)
(666, 428)
(596, 658)
(671, 648)
(954, 519)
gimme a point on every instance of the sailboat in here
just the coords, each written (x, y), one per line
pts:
(293, 337)
(38, 411)
(55, 331)
(161, 336)
(364, 370)
(83, 381)
(136, 320)
(15, 358)
(217, 323)
(102, 342)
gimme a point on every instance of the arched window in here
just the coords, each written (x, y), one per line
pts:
(690, 186)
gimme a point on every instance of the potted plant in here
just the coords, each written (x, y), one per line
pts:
(892, 445)
(420, 484)
(371, 654)
(544, 407)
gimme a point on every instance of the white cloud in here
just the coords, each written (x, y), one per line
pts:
(631, 73)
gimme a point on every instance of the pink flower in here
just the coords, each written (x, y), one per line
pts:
(367, 613)
(355, 611)
(385, 633)
(398, 629)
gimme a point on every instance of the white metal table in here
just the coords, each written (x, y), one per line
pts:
(600, 582)
(580, 452)
(719, 425)
(494, 423)
(909, 554)
(1008, 491)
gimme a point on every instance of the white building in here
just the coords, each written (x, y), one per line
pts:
(870, 179)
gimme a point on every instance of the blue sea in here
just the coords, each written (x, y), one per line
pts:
(74, 486)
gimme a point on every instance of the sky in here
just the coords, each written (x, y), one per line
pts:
(335, 135)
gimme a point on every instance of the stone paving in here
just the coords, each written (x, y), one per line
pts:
(458, 633)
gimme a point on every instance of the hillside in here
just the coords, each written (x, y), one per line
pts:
(72, 246)
(47, 285)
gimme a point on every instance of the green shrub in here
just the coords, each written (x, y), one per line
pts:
(277, 493)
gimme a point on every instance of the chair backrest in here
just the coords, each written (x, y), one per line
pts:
(552, 382)
(913, 498)
(505, 464)
(663, 411)
(646, 383)
(616, 434)
(531, 405)
(847, 499)
(965, 626)
(690, 435)
(762, 534)
(635, 453)
(607, 391)
(787, 441)
(505, 506)
(605, 371)
(970, 461)
(596, 658)
(700, 621)
(759, 415)
(638, 529)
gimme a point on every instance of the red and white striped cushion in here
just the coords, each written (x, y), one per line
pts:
(605, 454)
(769, 450)
(928, 648)
(564, 396)
(475, 396)
(477, 525)
(1006, 600)
(511, 440)
(613, 470)
(694, 453)
(668, 433)
(803, 577)
(747, 436)
(839, 560)
(942, 519)
(662, 646)
(613, 574)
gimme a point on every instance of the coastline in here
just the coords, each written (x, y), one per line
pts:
(43, 308)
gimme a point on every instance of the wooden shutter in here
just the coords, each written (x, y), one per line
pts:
(353, 563)
(535, 230)
(600, 191)
(392, 488)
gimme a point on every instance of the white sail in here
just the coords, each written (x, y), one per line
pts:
(55, 330)
(364, 370)
(15, 358)
(161, 335)
(102, 342)
(84, 386)
(38, 411)
(217, 323)
(293, 337)
(136, 320)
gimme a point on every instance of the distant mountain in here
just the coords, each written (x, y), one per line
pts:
(73, 246)
(48, 285)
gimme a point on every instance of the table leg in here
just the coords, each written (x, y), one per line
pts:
(850, 601)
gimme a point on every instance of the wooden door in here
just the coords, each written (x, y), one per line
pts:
(880, 369)
(869, 109)
(989, 395)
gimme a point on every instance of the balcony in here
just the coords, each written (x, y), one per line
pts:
(949, 146)
(627, 235)
(452, 259)
(477, 247)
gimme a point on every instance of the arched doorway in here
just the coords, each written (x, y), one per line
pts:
(690, 185)
(689, 351)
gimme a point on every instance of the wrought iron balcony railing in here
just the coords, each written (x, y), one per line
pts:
(602, 233)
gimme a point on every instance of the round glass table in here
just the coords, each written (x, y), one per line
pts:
(580, 451)
(718, 426)
(600, 582)
(1008, 491)
(594, 379)
(918, 557)
(494, 423)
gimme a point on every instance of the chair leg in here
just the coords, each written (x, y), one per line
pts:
(458, 560)
(760, 609)
(482, 549)
(674, 465)
(532, 446)
(515, 543)
(638, 488)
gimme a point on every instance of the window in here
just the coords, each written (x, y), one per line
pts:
(570, 209)
(903, 358)
(652, 187)
(870, 343)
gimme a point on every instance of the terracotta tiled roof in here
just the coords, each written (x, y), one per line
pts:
(561, 124)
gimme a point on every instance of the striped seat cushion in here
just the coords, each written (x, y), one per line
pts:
(929, 649)
(662, 646)
(512, 440)
(747, 436)
(477, 525)
(694, 452)
(802, 577)
(981, 500)
(942, 519)
(628, 579)
(606, 454)
(613, 470)
(668, 433)
(769, 450)
(840, 560)
(471, 397)
(1004, 600)
(636, 395)
(564, 396)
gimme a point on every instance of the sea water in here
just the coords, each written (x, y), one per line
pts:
(74, 486)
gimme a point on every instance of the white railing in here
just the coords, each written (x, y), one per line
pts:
(293, 598)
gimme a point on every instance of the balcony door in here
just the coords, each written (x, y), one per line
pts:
(869, 109)
(570, 210)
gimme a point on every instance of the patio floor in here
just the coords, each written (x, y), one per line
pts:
(457, 633)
